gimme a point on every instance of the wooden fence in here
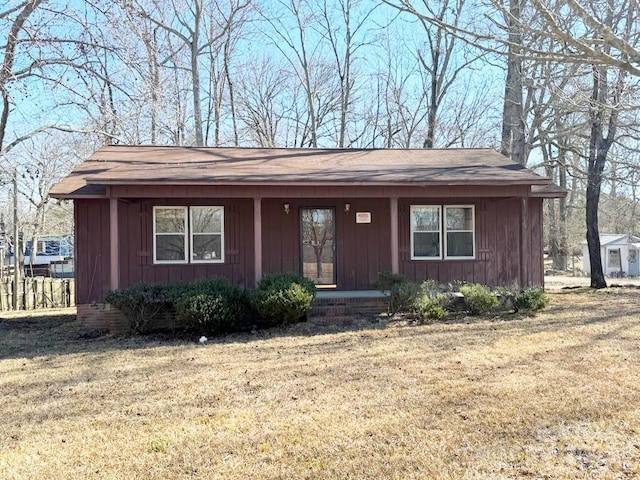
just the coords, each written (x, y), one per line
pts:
(37, 292)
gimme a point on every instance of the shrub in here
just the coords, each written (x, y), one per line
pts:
(478, 299)
(283, 298)
(506, 297)
(432, 287)
(401, 293)
(531, 299)
(426, 307)
(275, 281)
(138, 303)
(211, 306)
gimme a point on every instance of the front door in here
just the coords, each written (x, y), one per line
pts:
(317, 235)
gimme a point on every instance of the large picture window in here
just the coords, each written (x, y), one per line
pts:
(439, 232)
(188, 234)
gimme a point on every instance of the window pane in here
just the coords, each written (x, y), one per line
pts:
(170, 220)
(425, 219)
(170, 248)
(206, 219)
(207, 247)
(426, 244)
(460, 244)
(614, 258)
(460, 218)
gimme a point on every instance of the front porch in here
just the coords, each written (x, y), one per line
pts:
(332, 307)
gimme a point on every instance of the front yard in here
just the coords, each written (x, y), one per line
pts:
(551, 396)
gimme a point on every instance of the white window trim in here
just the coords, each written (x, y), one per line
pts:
(413, 256)
(610, 264)
(185, 233)
(446, 231)
(192, 234)
(188, 236)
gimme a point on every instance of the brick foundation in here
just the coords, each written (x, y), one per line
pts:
(98, 316)
(325, 311)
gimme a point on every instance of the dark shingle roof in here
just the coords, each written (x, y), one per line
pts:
(149, 165)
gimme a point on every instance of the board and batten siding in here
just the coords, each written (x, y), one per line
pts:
(500, 249)
(362, 249)
(91, 255)
(136, 249)
(135, 228)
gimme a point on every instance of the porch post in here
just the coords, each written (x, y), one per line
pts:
(257, 238)
(114, 270)
(395, 261)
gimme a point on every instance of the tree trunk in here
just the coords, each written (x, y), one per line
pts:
(513, 139)
(598, 149)
(593, 235)
(561, 261)
(195, 77)
(227, 72)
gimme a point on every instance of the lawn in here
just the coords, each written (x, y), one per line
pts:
(546, 397)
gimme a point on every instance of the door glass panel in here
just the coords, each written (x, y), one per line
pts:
(318, 242)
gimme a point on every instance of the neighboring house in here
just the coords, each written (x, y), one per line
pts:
(174, 214)
(620, 255)
(50, 253)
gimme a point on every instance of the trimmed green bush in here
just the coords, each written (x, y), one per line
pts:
(531, 299)
(401, 293)
(426, 307)
(478, 299)
(138, 303)
(211, 306)
(282, 298)
(276, 281)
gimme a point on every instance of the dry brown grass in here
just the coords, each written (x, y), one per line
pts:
(551, 396)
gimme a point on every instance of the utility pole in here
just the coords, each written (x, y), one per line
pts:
(16, 241)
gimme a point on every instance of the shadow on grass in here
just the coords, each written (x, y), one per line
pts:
(35, 335)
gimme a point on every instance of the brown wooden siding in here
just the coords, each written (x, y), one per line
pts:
(362, 250)
(498, 244)
(91, 250)
(536, 244)
(136, 244)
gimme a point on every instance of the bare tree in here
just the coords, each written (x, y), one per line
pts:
(264, 101)
(196, 31)
(346, 34)
(290, 31)
(443, 59)
(15, 16)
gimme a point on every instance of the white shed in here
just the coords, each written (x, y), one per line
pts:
(620, 255)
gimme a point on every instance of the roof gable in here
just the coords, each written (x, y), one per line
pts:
(615, 239)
